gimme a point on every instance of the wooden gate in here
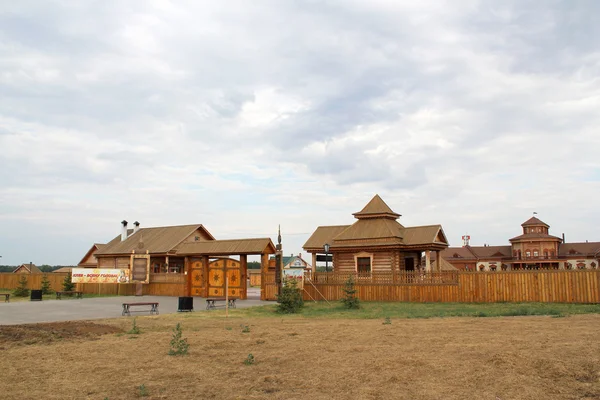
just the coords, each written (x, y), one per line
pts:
(232, 269)
(197, 283)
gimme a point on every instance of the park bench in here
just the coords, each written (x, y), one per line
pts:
(6, 297)
(127, 307)
(211, 302)
(69, 292)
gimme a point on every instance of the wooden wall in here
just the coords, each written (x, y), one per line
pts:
(9, 280)
(466, 287)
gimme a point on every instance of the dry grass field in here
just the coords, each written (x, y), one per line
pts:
(297, 358)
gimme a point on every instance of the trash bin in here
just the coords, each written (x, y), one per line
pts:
(186, 303)
(36, 295)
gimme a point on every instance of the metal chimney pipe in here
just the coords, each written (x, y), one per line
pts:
(563, 237)
(124, 230)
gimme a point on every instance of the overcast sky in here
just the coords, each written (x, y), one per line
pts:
(243, 115)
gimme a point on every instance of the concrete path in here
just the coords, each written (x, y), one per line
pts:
(28, 312)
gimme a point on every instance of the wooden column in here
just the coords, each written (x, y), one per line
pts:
(314, 264)
(438, 261)
(264, 267)
(205, 274)
(427, 261)
(187, 268)
(167, 262)
(244, 273)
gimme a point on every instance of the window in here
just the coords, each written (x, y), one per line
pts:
(363, 265)
(536, 253)
(527, 254)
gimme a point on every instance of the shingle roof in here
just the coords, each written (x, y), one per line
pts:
(526, 236)
(322, 235)
(155, 240)
(371, 229)
(534, 221)
(228, 247)
(584, 248)
(424, 235)
(492, 251)
(95, 246)
(376, 208)
(30, 268)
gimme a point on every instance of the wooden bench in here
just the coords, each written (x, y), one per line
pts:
(6, 297)
(211, 302)
(127, 308)
(70, 292)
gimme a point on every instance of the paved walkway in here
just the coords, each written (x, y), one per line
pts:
(27, 312)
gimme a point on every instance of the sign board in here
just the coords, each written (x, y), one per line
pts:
(295, 273)
(99, 275)
(140, 268)
(323, 258)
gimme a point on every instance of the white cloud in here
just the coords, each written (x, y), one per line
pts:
(472, 114)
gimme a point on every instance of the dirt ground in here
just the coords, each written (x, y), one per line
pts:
(295, 358)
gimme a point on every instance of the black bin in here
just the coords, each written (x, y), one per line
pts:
(36, 295)
(186, 303)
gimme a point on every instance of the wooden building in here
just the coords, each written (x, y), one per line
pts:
(377, 242)
(90, 260)
(186, 257)
(533, 249)
(30, 268)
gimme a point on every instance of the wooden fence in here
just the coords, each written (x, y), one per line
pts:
(9, 280)
(160, 284)
(547, 286)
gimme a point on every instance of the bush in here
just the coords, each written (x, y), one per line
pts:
(21, 290)
(350, 300)
(68, 285)
(179, 345)
(46, 289)
(290, 300)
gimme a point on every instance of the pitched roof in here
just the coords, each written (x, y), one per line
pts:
(424, 235)
(583, 248)
(95, 247)
(527, 236)
(228, 247)
(322, 235)
(534, 221)
(492, 251)
(461, 252)
(155, 240)
(376, 208)
(30, 268)
(63, 269)
(365, 229)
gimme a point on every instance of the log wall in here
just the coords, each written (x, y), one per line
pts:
(464, 287)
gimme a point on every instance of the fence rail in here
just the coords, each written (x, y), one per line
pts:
(469, 287)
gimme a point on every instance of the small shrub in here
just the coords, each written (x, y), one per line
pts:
(350, 300)
(46, 288)
(143, 391)
(387, 321)
(21, 290)
(68, 285)
(290, 300)
(245, 328)
(179, 345)
(249, 360)
(134, 329)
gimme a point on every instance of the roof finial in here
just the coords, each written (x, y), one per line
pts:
(279, 235)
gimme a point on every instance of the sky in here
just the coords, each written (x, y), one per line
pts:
(246, 115)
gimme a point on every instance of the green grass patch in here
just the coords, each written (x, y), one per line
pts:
(381, 310)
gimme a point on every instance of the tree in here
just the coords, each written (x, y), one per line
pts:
(350, 300)
(21, 290)
(290, 300)
(253, 265)
(68, 285)
(46, 288)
